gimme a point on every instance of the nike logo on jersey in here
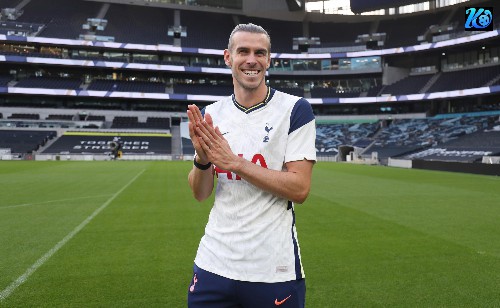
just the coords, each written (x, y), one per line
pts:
(277, 303)
(225, 133)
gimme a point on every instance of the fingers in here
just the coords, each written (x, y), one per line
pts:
(194, 113)
(217, 131)
(205, 147)
(206, 139)
(208, 119)
(208, 133)
(194, 116)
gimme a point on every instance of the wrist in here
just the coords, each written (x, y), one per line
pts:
(201, 165)
(238, 164)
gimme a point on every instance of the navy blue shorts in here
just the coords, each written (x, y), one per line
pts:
(210, 290)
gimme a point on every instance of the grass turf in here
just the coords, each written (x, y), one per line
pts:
(370, 236)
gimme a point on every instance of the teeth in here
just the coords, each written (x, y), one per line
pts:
(251, 73)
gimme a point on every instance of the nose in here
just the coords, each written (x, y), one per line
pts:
(251, 59)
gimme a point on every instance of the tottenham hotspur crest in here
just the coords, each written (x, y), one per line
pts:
(268, 128)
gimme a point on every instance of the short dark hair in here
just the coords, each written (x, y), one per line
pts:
(248, 28)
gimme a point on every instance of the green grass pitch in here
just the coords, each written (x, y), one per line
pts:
(124, 234)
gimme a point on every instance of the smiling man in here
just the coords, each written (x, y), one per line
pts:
(260, 143)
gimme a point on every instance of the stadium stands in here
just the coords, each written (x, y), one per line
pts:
(465, 79)
(9, 3)
(49, 83)
(410, 84)
(157, 123)
(318, 92)
(125, 122)
(281, 32)
(131, 122)
(219, 90)
(330, 136)
(10, 27)
(126, 86)
(61, 20)
(404, 136)
(335, 34)
(64, 117)
(96, 118)
(208, 33)
(26, 116)
(4, 80)
(405, 33)
(327, 81)
(470, 148)
(138, 24)
(24, 141)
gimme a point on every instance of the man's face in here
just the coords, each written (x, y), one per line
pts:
(249, 59)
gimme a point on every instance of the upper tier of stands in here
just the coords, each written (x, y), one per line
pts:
(405, 32)
(407, 85)
(281, 32)
(446, 81)
(338, 34)
(149, 25)
(472, 78)
(206, 30)
(49, 83)
(206, 89)
(138, 24)
(126, 86)
(62, 19)
(9, 3)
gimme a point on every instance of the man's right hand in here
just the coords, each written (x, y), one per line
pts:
(195, 119)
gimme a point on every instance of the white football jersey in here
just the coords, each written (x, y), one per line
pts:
(251, 234)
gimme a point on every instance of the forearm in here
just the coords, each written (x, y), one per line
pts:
(201, 182)
(288, 184)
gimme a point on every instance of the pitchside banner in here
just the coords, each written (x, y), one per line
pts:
(100, 143)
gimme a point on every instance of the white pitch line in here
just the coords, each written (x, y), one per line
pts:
(52, 201)
(21, 279)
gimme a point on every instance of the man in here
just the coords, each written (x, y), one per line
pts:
(259, 142)
(116, 148)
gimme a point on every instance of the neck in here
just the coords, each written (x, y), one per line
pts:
(248, 98)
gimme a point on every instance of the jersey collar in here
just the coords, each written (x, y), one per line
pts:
(269, 96)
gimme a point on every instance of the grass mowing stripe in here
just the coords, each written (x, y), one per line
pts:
(21, 279)
(51, 201)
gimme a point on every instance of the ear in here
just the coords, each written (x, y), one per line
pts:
(227, 57)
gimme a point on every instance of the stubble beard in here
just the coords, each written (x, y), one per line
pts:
(247, 86)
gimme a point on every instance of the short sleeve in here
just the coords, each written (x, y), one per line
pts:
(302, 133)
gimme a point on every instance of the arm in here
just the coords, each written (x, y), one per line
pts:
(293, 184)
(200, 181)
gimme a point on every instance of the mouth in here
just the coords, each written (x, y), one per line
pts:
(251, 72)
